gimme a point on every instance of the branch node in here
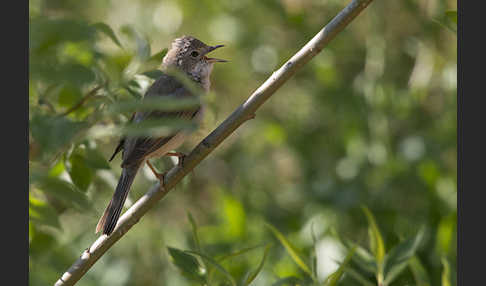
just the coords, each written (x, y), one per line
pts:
(206, 144)
(251, 116)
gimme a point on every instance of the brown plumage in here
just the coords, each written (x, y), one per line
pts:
(188, 55)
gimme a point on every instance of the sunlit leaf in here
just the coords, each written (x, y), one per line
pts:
(397, 259)
(333, 278)
(452, 15)
(235, 217)
(57, 169)
(376, 239)
(186, 263)
(445, 234)
(376, 244)
(446, 280)
(104, 28)
(254, 274)
(42, 213)
(288, 281)
(291, 250)
(419, 272)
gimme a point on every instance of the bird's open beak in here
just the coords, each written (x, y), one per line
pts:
(214, 60)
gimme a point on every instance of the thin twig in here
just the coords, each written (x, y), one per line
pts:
(208, 144)
(90, 95)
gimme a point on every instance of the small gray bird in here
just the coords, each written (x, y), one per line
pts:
(187, 55)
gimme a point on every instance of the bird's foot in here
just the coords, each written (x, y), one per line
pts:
(160, 176)
(180, 156)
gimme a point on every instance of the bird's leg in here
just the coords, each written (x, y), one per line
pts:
(180, 156)
(160, 176)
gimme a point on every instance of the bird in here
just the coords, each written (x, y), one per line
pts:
(188, 56)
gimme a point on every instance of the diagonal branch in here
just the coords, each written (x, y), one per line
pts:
(243, 113)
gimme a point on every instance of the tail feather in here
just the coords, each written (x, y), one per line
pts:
(112, 213)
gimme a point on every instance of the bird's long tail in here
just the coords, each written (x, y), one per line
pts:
(110, 217)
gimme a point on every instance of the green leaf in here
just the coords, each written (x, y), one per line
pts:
(452, 16)
(153, 74)
(376, 244)
(358, 277)
(187, 264)
(41, 212)
(57, 169)
(153, 62)
(31, 231)
(253, 275)
(64, 191)
(45, 33)
(104, 28)
(69, 95)
(94, 159)
(160, 127)
(364, 259)
(81, 174)
(215, 264)
(448, 20)
(133, 92)
(238, 252)
(70, 73)
(397, 259)
(291, 281)
(333, 279)
(194, 231)
(376, 240)
(419, 273)
(158, 57)
(291, 250)
(166, 103)
(133, 83)
(445, 233)
(52, 132)
(446, 273)
(142, 45)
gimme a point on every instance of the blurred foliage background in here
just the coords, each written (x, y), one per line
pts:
(354, 157)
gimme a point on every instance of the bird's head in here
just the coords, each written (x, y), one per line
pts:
(189, 55)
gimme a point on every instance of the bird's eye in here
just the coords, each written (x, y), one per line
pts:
(194, 54)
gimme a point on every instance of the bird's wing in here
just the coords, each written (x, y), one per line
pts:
(137, 148)
(121, 143)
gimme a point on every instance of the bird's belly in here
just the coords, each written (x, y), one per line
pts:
(172, 144)
(178, 139)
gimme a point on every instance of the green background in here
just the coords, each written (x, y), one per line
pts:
(370, 121)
